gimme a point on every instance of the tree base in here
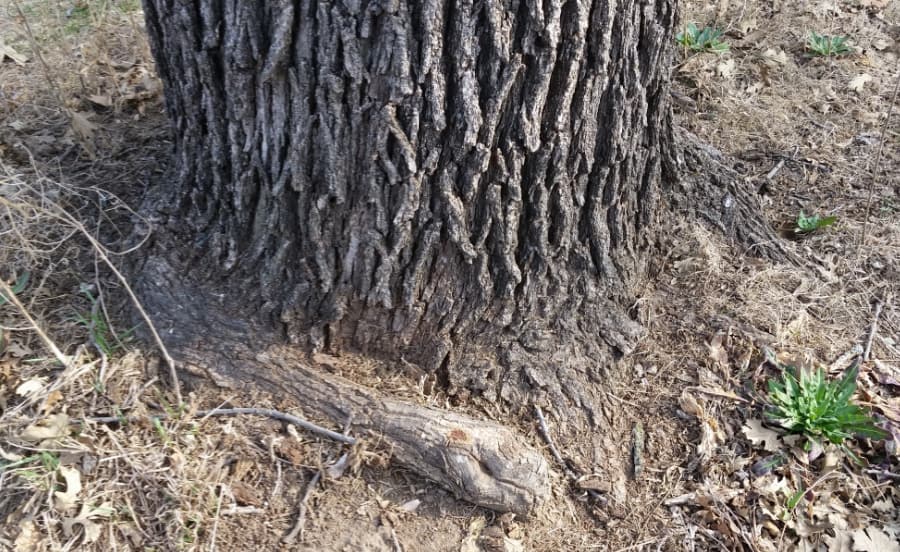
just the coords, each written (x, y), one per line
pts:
(481, 462)
(558, 358)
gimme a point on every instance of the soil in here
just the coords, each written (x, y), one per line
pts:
(808, 134)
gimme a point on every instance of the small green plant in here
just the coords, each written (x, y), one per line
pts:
(160, 430)
(825, 45)
(701, 40)
(808, 224)
(98, 329)
(805, 402)
(16, 288)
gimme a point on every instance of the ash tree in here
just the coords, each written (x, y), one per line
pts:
(469, 191)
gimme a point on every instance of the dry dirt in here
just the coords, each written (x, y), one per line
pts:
(82, 134)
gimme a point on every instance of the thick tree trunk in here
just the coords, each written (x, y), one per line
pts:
(469, 187)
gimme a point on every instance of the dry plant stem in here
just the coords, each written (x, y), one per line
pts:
(48, 74)
(215, 529)
(8, 293)
(275, 414)
(884, 473)
(301, 513)
(884, 127)
(872, 330)
(301, 510)
(545, 433)
(100, 250)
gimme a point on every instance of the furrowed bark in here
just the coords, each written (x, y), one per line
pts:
(397, 178)
(467, 187)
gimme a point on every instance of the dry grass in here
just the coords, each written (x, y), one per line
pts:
(191, 484)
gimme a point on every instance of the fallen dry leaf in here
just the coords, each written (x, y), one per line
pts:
(872, 539)
(29, 537)
(7, 51)
(30, 387)
(83, 128)
(877, 4)
(774, 58)
(758, 434)
(244, 494)
(726, 69)
(65, 501)
(710, 432)
(91, 529)
(101, 100)
(52, 399)
(53, 427)
(858, 82)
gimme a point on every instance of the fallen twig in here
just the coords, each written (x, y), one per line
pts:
(545, 433)
(771, 174)
(301, 513)
(884, 473)
(10, 296)
(301, 510)
(215, 528)
(872, 330)
(275, 414)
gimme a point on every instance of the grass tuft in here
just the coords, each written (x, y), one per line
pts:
(806, 402)
(702, 40)
(827, 46)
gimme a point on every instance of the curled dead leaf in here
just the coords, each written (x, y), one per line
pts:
(7, 51)
(65, 501)
(85, 518)
(872, 539)
(30, 387)
(52, 427)
(758, 434)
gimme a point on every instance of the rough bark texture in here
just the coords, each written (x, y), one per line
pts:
(467, 186)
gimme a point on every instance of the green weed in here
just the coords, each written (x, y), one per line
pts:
(17, 288)
(160, 430)
(701, 40)
(825, 45)
(98, 328)
(808, 224)
(805, 402)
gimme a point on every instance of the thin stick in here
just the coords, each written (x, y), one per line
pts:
(884, 473)
(275, 414)
(11, 297)
(545, 433)
(872, 331)
(100, 250)
(215, 529)
(301, 514)
(771, 174)
(301, 510)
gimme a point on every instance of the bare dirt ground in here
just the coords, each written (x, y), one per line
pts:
(82, 134)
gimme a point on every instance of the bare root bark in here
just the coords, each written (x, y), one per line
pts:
(711, 191)
(479, 461)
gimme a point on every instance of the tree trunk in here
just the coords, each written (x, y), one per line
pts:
(467, 187)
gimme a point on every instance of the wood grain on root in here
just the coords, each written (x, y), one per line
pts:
(709, 190)
(479, 461)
